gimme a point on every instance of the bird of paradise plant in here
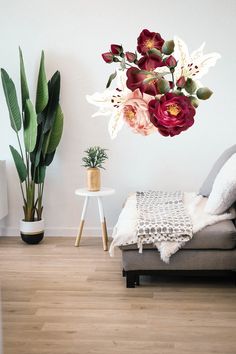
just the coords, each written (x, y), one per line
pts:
(42, 125)
(158, 88)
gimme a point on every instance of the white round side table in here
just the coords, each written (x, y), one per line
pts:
(83, 192)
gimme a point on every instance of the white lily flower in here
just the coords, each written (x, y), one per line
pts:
(192, 66)
(110, 102)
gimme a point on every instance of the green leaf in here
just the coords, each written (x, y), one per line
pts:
(40, 174)
(149, 79)
(168, 47)
(49, 158)
(56, 131)
(155, 51)
(42, 87)
(54, 92)
(163, 85)
(30, 126)
(20, 165)
(203, 93)
(35, 155)
(11, 99)
(190, 86)
(23, 81)
(111, 78)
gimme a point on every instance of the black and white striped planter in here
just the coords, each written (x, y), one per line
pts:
(32, 232)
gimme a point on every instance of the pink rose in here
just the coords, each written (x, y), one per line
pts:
(136, 114)
(172, 114)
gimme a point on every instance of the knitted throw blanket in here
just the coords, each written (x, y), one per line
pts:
(162, 217)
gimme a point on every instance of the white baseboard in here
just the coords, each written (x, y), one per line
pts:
(63, 231)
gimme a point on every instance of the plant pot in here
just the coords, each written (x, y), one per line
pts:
(93, 179)
(32, 232)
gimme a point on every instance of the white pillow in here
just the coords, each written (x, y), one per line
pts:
(223, 193)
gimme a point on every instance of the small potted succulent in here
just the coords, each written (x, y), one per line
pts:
(93, 161)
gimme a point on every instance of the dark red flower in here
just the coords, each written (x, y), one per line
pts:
(150, 62)
(171, 62)
(148, 40)
(107, 57)
(172, 114)
(135, 79)
(131, 57)
(116, 49)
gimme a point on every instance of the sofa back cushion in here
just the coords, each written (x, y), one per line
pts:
(223, 193)
(207, 185)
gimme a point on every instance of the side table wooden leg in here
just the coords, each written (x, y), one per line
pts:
(103, 225)
(78, 238)
(104, 235)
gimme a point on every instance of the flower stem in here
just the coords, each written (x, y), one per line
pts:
(172, 74)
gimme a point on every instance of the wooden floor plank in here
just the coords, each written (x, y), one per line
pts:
(60, 299)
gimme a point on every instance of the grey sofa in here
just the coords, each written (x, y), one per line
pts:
(212, 249)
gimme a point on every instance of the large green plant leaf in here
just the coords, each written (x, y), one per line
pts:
(42, 87)
(23, 81)
(36, 155)
(20, 165)
(56, 131)
(11, 99)
(54, 93)
(30, 126)
(40, 174)
(49, 158)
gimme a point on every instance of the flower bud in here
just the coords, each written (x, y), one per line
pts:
(190, 86)
(168, 47)
(171, 62)
(203, 93)
(131, 57)
(163, 85)
(194, 101)
(107, 57)
(181, 82)
(116, 49)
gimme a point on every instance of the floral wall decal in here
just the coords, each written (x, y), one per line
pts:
(157, 87)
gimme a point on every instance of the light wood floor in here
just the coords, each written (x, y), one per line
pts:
(58, 299)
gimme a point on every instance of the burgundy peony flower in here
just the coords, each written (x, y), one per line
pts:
(135, 81)
(172, 114)
(148, 40)
(116, 49)
(107, 57)
(150, 62)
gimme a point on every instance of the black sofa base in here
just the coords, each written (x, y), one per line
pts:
(133, 276)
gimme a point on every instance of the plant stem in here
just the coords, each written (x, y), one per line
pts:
(172, 74)
(19, 145)
(22, 191)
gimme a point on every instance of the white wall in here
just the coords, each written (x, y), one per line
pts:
(73, 34)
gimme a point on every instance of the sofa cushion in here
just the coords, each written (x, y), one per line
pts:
(223, 194)
(220, 236)
(207, 185)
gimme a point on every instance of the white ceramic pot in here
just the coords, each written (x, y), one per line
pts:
(32, 232)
